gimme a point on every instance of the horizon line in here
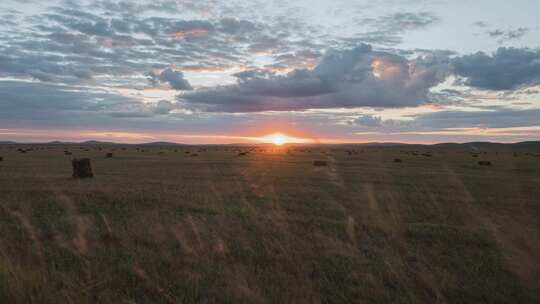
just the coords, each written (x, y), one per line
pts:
(58, 142)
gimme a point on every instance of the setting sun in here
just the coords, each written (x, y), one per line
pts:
(280, 139)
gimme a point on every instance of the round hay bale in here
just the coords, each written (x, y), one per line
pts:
(82, 168)
(320, 163)
(484, 163)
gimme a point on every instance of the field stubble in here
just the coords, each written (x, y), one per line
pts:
(160, 226)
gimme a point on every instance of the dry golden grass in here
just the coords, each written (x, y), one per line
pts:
(160, 226)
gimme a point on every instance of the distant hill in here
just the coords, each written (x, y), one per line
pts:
(469, 146)
(95, 142)
(89, 142)
(162, 143)
(370, 144)
(480, 146)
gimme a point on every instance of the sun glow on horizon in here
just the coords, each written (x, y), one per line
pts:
(280, 139)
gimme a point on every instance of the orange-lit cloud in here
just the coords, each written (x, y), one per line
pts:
(385, 69)
(193, 32)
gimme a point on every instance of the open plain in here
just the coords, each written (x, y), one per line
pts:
(212, 224)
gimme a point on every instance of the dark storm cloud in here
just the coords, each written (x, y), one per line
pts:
(174, 78)
(350, 78)
(506, 69)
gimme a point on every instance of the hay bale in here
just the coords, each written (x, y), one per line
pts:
(82, 168)
(243, 153)
(484, 163)
(397, 160)
(109, 155)
(320, 163)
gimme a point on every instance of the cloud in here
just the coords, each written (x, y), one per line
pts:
(174, 78)
(497, 117)
(406, 21)
(389, 29)
(506, 69)
(480, 24)
(41, 101)
(78, 41)
(506, 35)
(29, 104)
(349, 78)
(235, 26)
(78, 61)
(163, 107)
(473, 124)
(368, 121)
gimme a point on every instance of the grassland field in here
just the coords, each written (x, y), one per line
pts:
(160, 225)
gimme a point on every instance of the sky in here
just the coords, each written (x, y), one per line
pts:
(322, 71)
